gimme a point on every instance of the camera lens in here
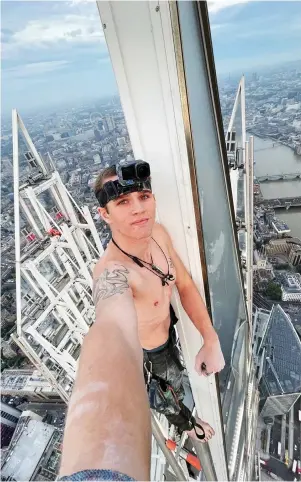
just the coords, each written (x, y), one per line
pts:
(142, 170)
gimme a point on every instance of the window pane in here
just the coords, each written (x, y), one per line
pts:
(226, 293)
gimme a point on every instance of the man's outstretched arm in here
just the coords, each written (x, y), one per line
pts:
(108, 422)
(193, 304)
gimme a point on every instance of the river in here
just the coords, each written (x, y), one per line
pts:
(273, 158)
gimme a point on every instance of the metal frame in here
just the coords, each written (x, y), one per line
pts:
(63, 304)
(248, 175)
(240, 96)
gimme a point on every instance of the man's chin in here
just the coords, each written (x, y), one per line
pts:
(144, 233)
(141, 232)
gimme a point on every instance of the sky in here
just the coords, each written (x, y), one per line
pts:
(55, 52)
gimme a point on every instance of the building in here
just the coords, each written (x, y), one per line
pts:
(97, 159)
(9, 420)
(277, 246)
(108, 123)
(282, 246)
(291, 287)
(9, 349)
(263, 273)
(34, 452)
(27, 383)
(295, 255)
(97, 134)
(280, 227)
(277, 347)
(121, 141)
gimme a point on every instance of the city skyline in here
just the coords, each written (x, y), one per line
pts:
(56, 51)
(244, 235)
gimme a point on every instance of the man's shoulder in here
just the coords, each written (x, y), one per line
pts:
(160, 232)
(109, 264)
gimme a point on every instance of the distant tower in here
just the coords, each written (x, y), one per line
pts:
(97, 135)
(109, 123)
(54, 273)
(240, 160)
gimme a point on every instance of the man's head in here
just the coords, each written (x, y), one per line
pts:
(132, 214)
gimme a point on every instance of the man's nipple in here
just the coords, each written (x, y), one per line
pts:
(156, 303)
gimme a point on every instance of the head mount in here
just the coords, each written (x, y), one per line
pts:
(132, 176)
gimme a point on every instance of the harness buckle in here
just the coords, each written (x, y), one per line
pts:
(148, 371)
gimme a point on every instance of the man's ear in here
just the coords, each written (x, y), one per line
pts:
(104, 214)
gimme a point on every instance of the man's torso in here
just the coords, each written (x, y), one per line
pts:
(151, 299)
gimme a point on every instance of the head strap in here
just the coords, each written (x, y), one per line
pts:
(113, 189)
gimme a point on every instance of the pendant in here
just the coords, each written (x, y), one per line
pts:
(171, 277)
(157, 270)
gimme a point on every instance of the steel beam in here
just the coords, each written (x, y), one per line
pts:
(283, 436)
(15, 138)
(291, 434)
(170, 458)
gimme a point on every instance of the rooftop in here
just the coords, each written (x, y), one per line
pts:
(280, 226)
(25, 380)
(282, 364)
(292, 283)
(23, 457)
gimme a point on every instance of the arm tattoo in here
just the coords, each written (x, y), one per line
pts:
(110, 283)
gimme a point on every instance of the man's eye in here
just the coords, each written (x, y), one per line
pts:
(122, 202)
(145, 196)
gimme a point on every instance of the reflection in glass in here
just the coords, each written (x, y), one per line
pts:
(225, 284)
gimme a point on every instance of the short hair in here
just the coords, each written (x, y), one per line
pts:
(103, 176)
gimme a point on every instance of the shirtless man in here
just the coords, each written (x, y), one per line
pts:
(140, 267)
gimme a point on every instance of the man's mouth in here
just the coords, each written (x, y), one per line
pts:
(140, 222)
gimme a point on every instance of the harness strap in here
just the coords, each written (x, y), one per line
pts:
(186, 413)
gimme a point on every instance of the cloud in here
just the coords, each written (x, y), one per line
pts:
(242, 64)
(70, 28)
(36, 68)
(217, 5)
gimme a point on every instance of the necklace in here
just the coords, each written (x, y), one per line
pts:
(150, 266)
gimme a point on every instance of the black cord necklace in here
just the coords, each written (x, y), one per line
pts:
(153, 268)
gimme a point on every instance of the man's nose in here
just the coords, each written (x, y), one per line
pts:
(137, 206)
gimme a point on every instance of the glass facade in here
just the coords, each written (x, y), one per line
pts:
(224, 279)
(282, 364)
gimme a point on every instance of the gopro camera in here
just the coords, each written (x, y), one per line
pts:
(131, 172)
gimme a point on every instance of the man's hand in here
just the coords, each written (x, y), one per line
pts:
(210, 358)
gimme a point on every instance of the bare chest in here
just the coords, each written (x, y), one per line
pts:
(151, 297)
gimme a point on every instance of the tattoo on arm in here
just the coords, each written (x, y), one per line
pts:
(110, 283)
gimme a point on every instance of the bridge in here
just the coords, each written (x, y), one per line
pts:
(278, 203)
(279, 177)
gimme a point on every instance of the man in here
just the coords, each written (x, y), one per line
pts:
(141, 266)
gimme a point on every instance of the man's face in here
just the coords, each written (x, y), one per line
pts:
(133, 214)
